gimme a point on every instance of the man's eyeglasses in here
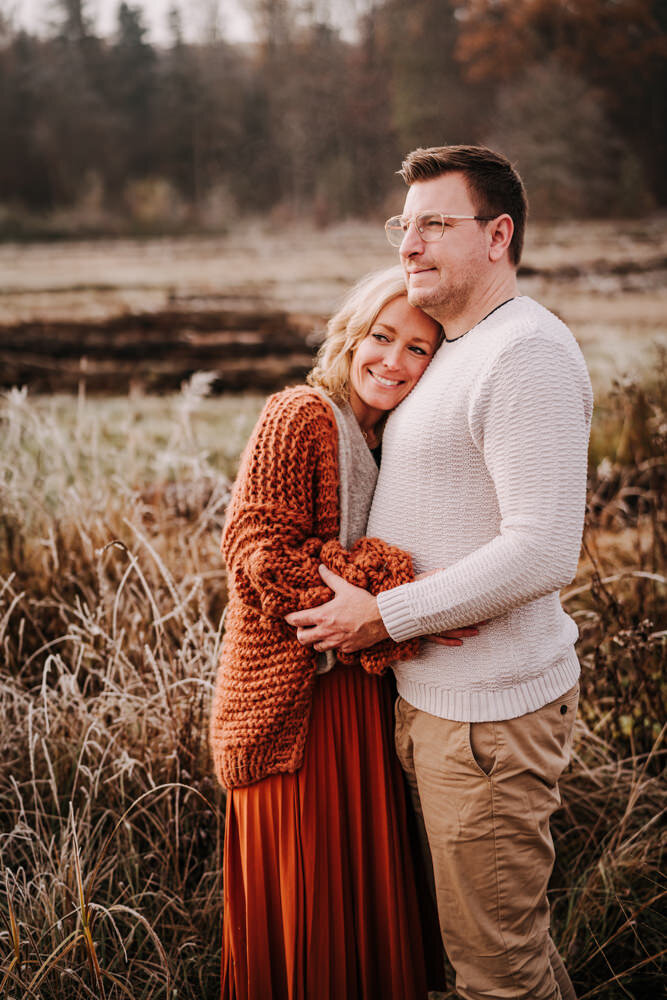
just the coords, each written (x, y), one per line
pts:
(430, 225)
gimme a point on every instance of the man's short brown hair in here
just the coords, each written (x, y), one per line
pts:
(494, 184)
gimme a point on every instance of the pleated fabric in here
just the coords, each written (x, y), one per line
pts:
(320, 892)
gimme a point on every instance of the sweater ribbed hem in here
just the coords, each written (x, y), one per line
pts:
(398, 621)
(238, 767)
(490, 704)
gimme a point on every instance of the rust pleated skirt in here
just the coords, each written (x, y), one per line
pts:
(321, 888)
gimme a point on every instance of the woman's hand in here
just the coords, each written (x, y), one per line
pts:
(454, 636)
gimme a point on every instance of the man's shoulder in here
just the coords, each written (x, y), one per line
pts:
(529, 338)
(528, 318)
(527, 323)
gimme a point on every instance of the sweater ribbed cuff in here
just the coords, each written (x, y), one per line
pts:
(395, 611)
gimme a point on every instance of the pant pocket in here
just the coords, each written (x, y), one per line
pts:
(568, 705)
(483, 745)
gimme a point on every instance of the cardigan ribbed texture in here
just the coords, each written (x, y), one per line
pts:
(483, 477)
(282, 522)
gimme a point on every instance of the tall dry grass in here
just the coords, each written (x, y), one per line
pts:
(609, 884)
(111, 610)
(111, 613)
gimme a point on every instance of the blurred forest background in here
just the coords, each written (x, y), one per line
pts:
(118, 134)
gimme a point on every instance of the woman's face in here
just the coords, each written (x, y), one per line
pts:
(391, 359)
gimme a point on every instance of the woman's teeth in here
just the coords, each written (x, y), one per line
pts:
(390, 383)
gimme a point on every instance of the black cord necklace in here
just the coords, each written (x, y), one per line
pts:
(495, 309)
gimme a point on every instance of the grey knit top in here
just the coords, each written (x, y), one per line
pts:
(357, 478)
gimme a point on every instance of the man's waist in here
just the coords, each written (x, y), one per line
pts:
(504, 693)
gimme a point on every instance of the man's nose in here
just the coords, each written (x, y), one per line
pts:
(412, 241)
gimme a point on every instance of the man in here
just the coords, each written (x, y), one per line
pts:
(483, 480)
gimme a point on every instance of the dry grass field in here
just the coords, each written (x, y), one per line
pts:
(112, 601)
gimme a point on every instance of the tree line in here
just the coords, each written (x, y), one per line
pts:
(304, 121)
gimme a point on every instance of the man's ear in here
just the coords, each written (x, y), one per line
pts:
(500, 232)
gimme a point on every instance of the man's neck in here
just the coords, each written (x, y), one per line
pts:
(484, 303)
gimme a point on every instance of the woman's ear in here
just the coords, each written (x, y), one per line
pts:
(500, 232)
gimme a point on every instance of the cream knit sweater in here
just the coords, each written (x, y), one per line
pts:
(483, 477)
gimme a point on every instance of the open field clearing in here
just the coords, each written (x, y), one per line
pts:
(112, 599)
(606, 279)
(112, 603)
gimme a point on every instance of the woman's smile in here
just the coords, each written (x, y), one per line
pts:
(383, 380)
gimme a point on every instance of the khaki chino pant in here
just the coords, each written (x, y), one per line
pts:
(486, 792)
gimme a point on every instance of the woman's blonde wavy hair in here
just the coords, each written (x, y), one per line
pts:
(348, 327)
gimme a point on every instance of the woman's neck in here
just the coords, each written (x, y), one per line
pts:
(370, 420)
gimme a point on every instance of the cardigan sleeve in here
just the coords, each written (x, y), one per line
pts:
(375, 566)
(284, 505)
(282, 521)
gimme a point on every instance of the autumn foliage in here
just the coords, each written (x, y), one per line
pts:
(117, 133)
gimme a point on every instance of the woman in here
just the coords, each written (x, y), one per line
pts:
(319, 897)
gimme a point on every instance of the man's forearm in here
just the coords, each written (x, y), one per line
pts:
(506, 573)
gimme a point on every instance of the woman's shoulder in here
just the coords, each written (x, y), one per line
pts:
(300, 405)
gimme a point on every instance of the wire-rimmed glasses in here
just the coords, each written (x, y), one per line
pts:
(430, 225)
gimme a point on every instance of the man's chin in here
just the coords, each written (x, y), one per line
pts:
(421, 298)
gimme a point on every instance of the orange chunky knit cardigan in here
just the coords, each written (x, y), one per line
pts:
(282, 522)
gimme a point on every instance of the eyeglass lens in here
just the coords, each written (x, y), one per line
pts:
(430, 226)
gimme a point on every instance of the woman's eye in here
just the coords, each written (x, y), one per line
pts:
(380, 336)
(417, 350)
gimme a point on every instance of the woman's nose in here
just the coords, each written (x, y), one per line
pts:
(393, 357)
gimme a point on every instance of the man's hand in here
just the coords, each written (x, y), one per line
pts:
(349, 621)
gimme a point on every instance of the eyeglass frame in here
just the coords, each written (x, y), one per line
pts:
(443, 219)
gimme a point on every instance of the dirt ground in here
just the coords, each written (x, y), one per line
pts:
(606, 279)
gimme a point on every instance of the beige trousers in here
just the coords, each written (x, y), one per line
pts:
(485, 792)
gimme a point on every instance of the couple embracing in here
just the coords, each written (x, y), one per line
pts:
(412, 557)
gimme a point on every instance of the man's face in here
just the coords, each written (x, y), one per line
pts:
(443, 276)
